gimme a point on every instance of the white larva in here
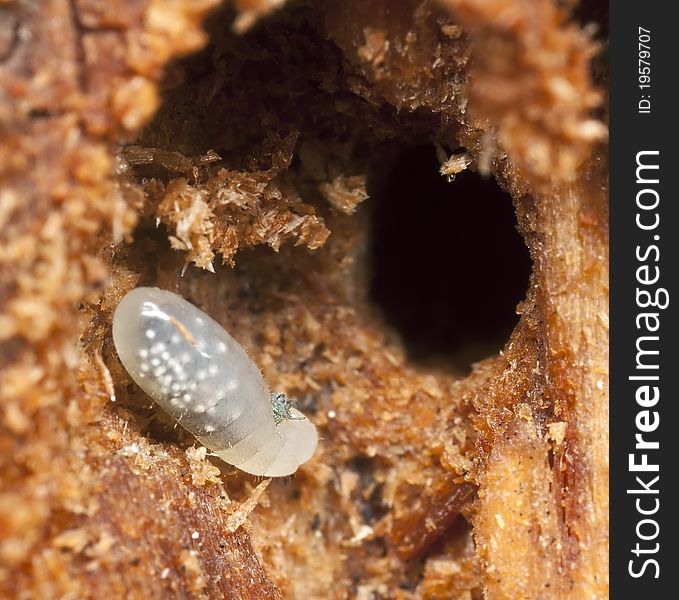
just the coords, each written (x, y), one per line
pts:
(203, 378)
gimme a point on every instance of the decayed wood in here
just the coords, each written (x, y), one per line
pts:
(542, 519)
(98, 492)
(86, 508)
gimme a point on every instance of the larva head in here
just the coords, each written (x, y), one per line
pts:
(299, 436)
(204, 379)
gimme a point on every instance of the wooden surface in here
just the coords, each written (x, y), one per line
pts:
(428, 482)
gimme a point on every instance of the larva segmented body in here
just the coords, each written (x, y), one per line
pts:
(202, 377)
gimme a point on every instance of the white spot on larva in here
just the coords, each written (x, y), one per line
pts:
(195, 535)
(189, 365)
(165, 573)
(331, 414)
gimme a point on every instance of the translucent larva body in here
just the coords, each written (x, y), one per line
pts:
(203, 378)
